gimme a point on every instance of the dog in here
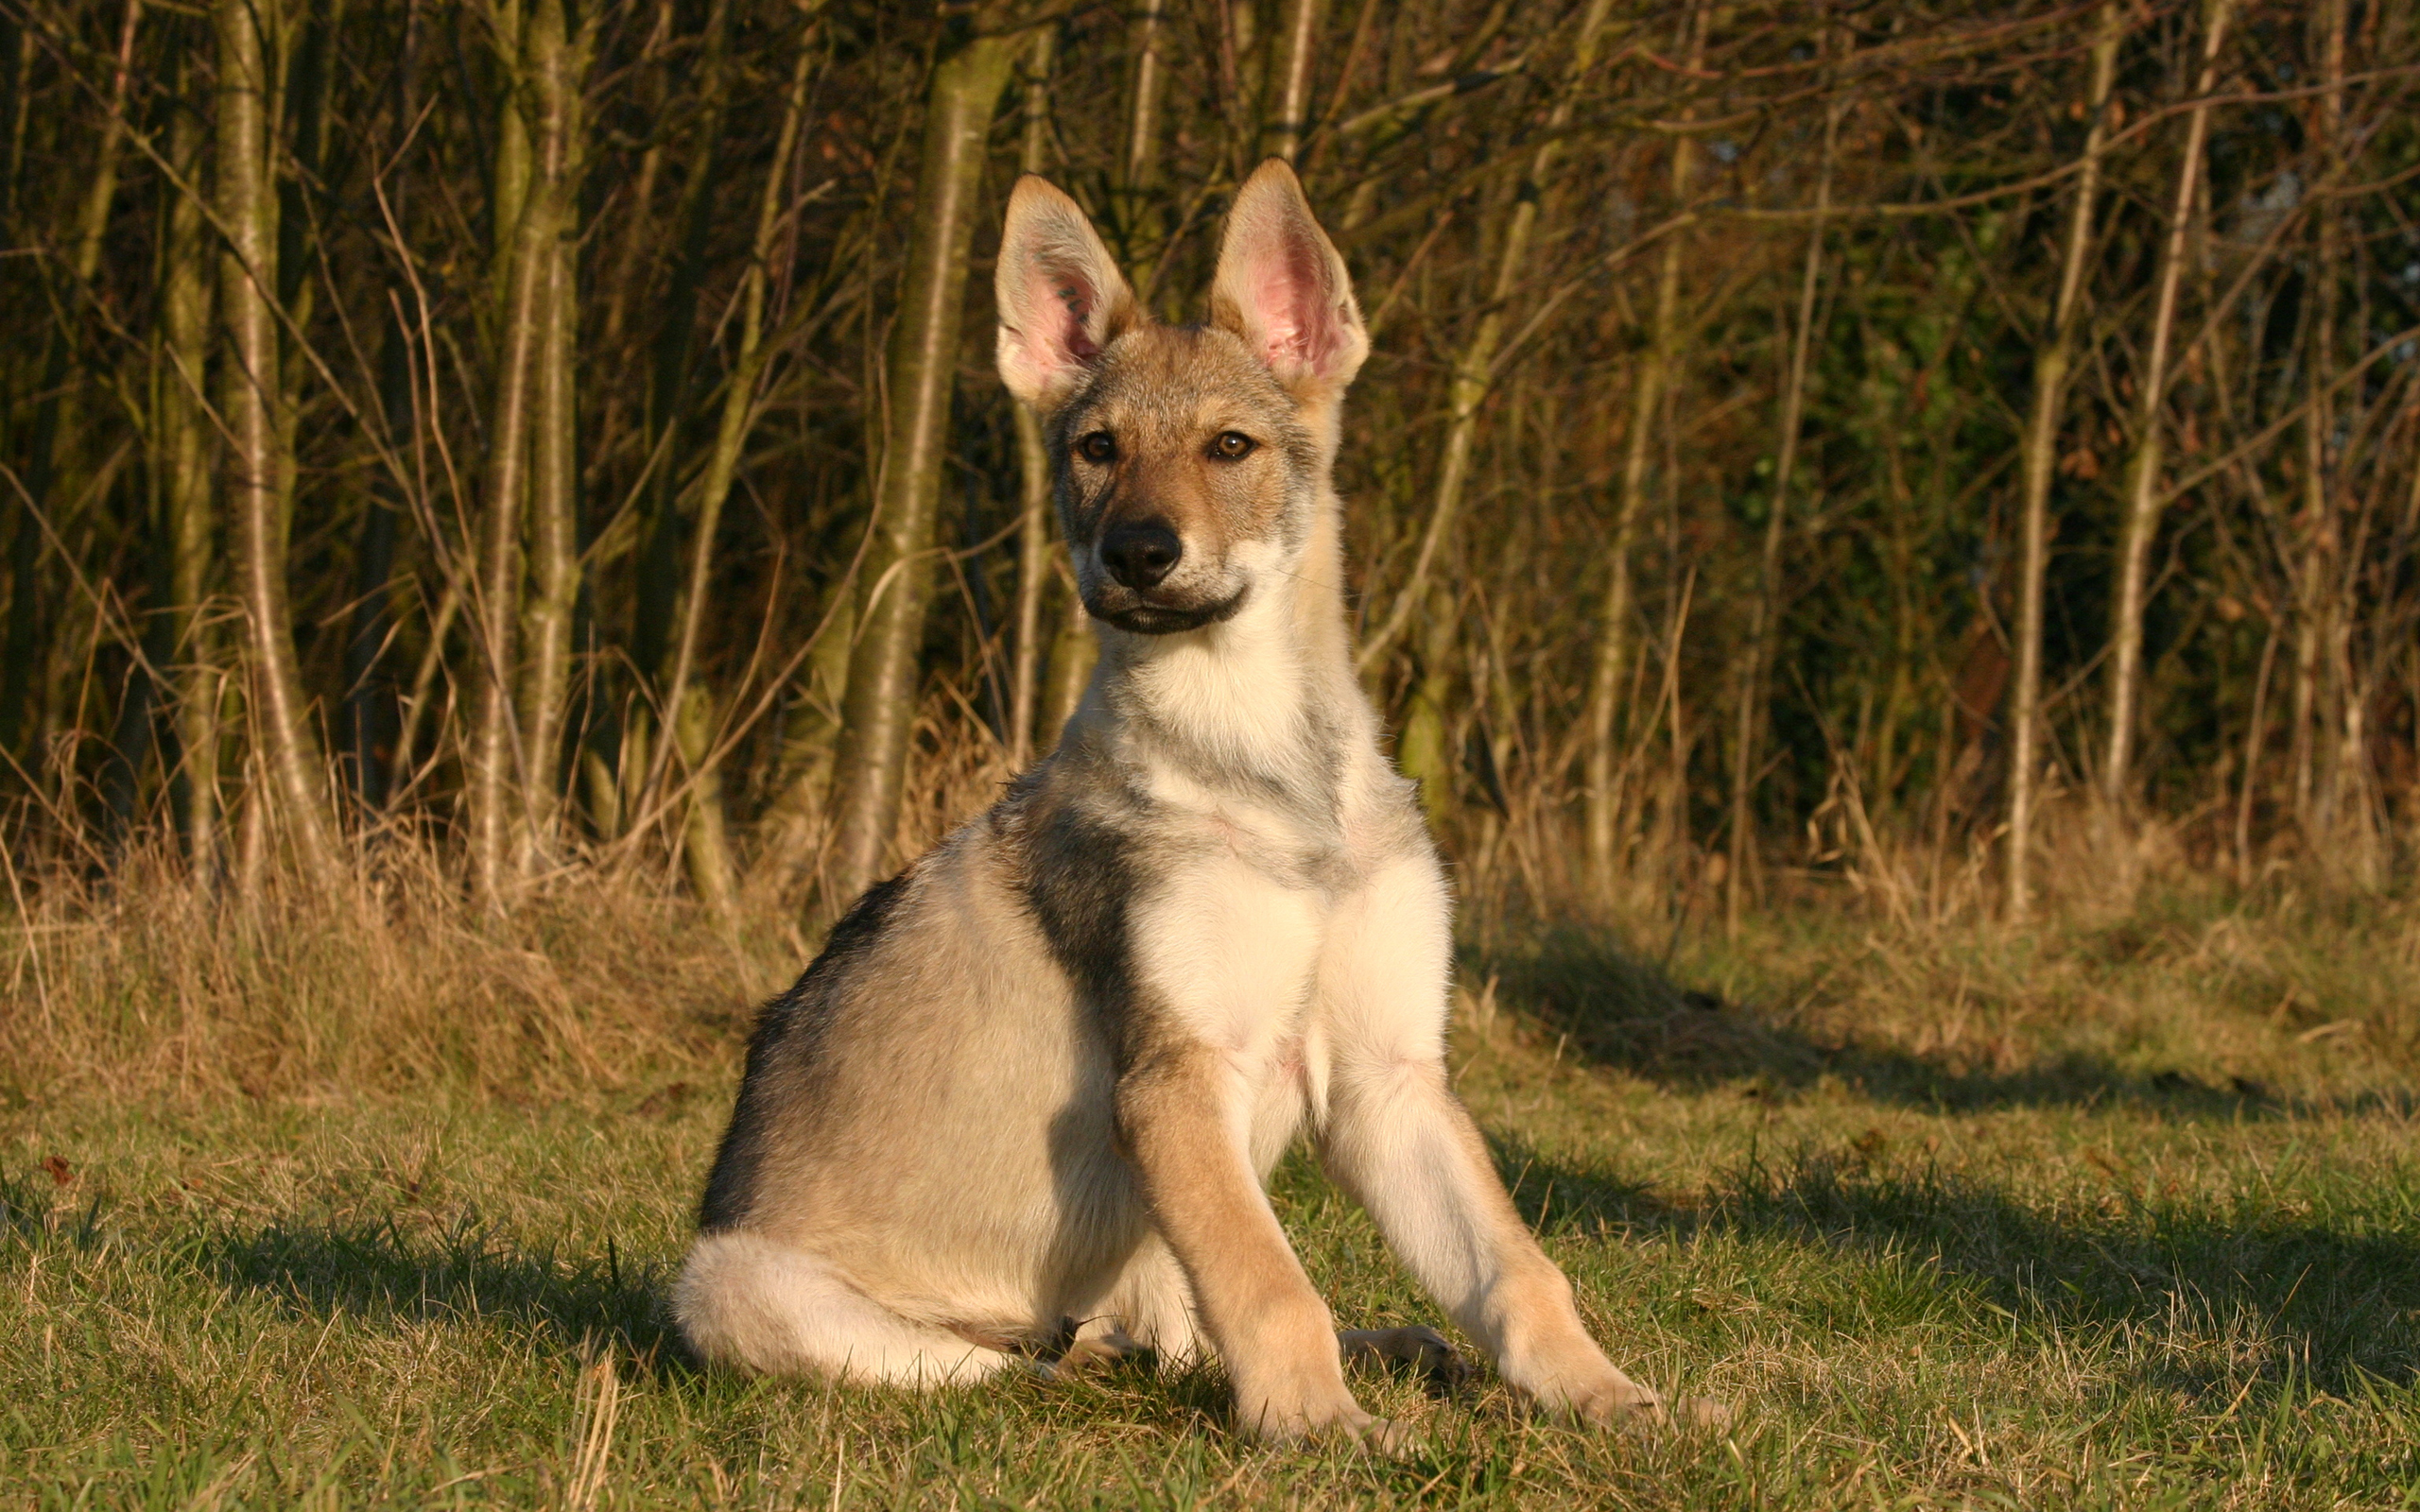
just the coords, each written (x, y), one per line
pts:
(1026, 1101)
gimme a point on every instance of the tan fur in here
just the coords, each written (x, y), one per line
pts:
(1024, 1103)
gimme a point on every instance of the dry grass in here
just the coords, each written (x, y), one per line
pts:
(370, 1201)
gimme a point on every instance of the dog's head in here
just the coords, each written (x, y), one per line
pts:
(1190, 460)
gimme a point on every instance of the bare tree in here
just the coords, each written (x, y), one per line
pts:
(1035, 568)
(1612, 670)
(259, 471)
(185, 445)
(554, 65)
(2143, 492)
(1288, 112)
(870, 767)
(2051, 360)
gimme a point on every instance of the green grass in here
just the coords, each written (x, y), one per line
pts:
(2093, 1219)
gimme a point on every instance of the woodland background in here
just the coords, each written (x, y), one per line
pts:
(1886, 533)
(1966, 452)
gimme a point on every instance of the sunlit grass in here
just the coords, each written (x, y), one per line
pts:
(2104, 1225)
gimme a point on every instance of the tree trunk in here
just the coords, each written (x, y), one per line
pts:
(1138, 157)
(251, 405)
(555, 65)
(1034, 567)
(185, 443)
(2051, 361)
(494, 764)
(2331, 797)
(2142, 509)
(1287, 113)
(871, 766)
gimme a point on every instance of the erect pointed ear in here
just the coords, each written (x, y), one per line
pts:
(1282, 288)
(1060, 299)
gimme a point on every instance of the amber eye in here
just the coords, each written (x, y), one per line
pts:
(1233, 446)
(1100, 446)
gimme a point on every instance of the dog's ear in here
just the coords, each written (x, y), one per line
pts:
(1282, 287)
(1062, 300)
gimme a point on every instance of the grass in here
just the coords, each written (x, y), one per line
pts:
(2118, 1214)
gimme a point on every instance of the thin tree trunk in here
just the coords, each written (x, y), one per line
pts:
(2330, 808)
(1034, 567)
(2141, 520)
(185, 458)
(1072, 655)
(2041, 459)
(1138, 157)
(101, 192)
(1474, 367)
(870, 767)
(251, 404)
(494, 763)
(1764, 615)
(507, 166)
(1287, 113)
(705, 839)
(709, 856)
(555, 65)
(1612, 669)
(417, 703)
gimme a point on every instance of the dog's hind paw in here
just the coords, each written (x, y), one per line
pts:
(1425, 1351)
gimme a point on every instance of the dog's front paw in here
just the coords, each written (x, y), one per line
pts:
(1623, 1402)
(1334, 1422)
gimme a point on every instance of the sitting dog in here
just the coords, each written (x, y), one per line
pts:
(1033, 1086)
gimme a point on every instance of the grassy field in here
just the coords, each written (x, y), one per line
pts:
(2115, 1216)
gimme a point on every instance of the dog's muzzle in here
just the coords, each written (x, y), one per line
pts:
(1134, 591)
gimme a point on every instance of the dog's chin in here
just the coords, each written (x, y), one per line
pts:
(1143, 617)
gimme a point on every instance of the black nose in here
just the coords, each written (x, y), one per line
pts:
(1139, 553)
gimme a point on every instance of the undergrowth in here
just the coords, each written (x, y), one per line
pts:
(370, 1200)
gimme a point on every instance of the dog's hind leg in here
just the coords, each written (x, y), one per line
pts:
(746, 1301)
(1428, 1352)
(1152, 1304)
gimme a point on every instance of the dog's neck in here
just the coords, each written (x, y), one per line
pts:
(1267, 699)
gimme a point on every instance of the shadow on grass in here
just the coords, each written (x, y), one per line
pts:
(377, 1272)
(2191, 1292)
(1622, 1012)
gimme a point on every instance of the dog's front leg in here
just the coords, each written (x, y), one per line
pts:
(1397, 1138)
(1400, 1143)
(1184, 1113)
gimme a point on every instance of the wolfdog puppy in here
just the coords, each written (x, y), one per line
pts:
(1028, 1094)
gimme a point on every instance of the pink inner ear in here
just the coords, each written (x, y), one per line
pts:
(1062, 303)
(1290, 306)
(1078, 300)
